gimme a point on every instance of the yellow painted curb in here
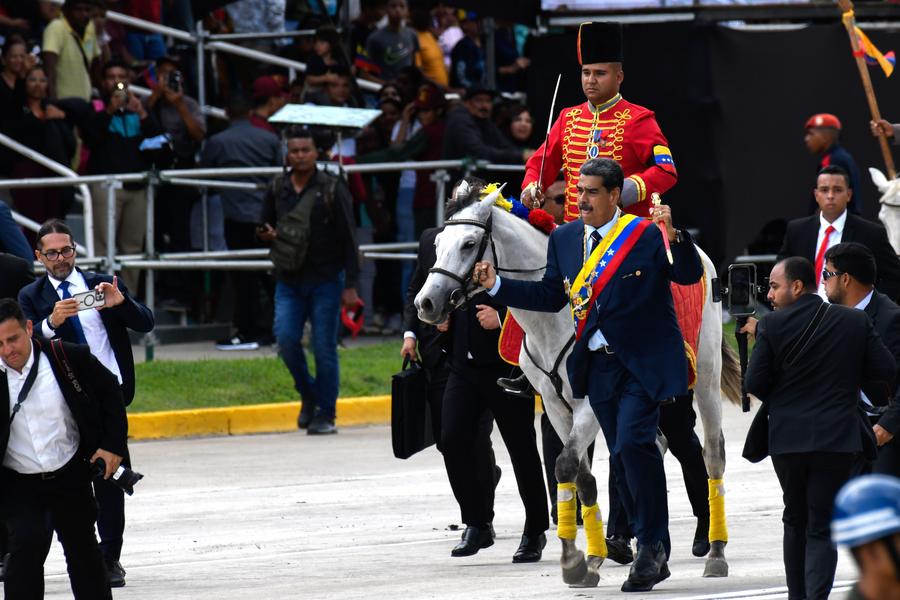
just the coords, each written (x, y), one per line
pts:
(254, 418)
(257, 418)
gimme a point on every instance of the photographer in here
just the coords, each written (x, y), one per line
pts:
(50, 304)
(46, 477)
(114, 130)
(313, 285)
(177, 114)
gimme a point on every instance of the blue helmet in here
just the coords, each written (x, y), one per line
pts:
(866, 509)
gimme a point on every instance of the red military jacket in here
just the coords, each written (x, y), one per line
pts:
(616, 129)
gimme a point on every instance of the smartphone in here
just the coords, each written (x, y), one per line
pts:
(90, 299)
(175, 81)
(742, 289)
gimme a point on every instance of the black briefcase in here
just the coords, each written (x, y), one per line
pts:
(410, 410)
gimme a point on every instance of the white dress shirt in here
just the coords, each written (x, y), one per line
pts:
(44, 436)
(833, 240)
(597, 340)
(91, 323)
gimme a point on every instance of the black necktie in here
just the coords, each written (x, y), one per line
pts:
(595, 239)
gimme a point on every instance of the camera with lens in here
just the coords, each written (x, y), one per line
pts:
(124, 478)
(175, 81)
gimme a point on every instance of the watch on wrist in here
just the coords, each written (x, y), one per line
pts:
(678, 237)
(50, 324)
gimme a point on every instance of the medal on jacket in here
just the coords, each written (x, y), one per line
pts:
(596, 143)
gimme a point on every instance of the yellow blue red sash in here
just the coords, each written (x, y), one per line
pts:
(600, 267)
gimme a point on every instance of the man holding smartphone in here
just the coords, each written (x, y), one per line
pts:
(52, 304)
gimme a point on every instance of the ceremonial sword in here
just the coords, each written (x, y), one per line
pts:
(540, 181)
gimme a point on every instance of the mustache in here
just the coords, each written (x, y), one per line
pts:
(584, 206)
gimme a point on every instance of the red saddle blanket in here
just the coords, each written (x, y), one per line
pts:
(688, 309)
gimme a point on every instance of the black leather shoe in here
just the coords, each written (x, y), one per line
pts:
(701, 538)
(473, 540)
(116, 574)
(307, 412)
(618, 549)
(518, 386)
(321, 426)
(649, 568)
(530, 549)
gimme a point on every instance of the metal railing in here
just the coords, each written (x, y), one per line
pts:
(257, 259)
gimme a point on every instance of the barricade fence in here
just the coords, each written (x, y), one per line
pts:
(257, 259)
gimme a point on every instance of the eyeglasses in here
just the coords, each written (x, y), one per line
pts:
(826, 274)
(561, 199)
(53, 255)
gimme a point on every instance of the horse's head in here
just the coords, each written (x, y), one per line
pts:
(463, 242)
(890, 205)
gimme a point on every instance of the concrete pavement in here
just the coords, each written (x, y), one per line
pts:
(293, 516)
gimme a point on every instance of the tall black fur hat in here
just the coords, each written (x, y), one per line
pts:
(600, 43)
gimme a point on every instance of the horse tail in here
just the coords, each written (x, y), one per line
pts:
(731, 373)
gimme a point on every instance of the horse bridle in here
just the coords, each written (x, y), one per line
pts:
(460, 296)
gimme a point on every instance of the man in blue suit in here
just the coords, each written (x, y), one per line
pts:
(48, 303)
(612, 270)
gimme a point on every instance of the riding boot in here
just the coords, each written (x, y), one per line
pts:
(517, 386)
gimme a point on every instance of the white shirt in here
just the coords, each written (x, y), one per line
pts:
(44, 436)
(91, 323)
(598, 340)
(833, 240)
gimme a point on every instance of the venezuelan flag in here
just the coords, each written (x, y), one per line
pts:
(662, 156)
(873, 55)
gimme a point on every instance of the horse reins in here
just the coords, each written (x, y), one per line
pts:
(459, 297)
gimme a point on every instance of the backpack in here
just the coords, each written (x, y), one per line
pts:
(293, 231)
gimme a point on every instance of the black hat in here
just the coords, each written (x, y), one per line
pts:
(600, 43)
(477, 90)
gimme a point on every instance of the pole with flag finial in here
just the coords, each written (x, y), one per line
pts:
(849, 20)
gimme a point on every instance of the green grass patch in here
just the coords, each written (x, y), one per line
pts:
(174, 385)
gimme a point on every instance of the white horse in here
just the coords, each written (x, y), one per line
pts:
(889, 213)
(482, 230)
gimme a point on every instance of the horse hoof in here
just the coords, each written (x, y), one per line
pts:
(591, 579)
(715, 567)
(574, 570)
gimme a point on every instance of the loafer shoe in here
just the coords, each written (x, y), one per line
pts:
(649, 568)
(517, 386)
(473, 540)
(116, 574)
(618, 549)
(530, 549)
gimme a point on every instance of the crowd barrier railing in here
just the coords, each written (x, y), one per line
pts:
(151, 261)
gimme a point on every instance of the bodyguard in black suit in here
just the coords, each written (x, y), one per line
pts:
(436, 364)
(810, 237)
(47, 478)
(808, 365)
(48, 304)
(852, 284)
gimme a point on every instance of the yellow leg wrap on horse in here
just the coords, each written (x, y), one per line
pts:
(593, 527)
(718, 529)
(565, 511)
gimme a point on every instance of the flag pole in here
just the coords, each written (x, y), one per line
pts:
(849, 21)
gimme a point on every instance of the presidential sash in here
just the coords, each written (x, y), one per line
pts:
(600, 267)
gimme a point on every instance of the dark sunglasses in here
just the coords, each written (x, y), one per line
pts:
(561, 199)
(826, 274)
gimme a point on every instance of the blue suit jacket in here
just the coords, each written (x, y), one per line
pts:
(38, 298)
(635, 311)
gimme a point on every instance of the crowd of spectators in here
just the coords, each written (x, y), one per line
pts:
(72, 87)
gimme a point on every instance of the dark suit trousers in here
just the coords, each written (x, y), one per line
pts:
(67, 501)
(110, 516)
(676, 421)
(810, 481)
(466, 400)
(629, 418)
